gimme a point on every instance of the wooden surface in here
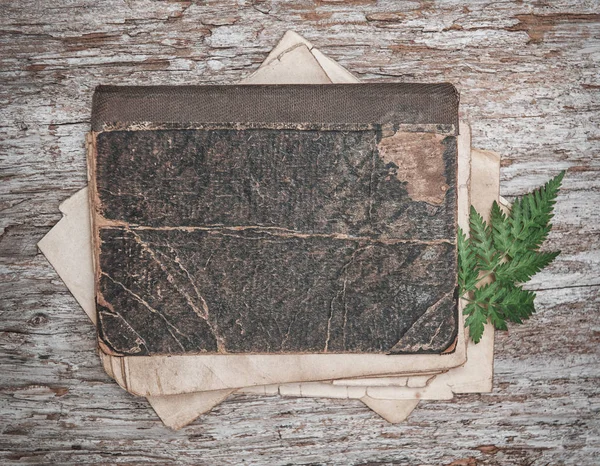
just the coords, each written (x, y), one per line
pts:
(528, 76)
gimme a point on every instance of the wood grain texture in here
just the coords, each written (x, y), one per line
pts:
(528, 76)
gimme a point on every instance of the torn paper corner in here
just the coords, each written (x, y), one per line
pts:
(393, 411)
(68, 248)
(177, 411)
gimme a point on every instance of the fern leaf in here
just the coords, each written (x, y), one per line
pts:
(530, 216)
(537, 236)
(524, 266)
(477, 317)
(486, 292)
(481, 239)
(467, 264)
(508, 251)
(516, 221)
(518, 304)
(497, 318)
(500, 229)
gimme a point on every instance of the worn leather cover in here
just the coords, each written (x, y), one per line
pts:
(266, 219)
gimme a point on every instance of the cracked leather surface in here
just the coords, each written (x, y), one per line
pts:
(270, 241)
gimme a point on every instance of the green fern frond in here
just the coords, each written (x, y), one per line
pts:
(524, 266)
(506, 251)
(481, 239)
(530, 216)
(467, 264)
(500, 229)
(517, 304)
(475, 321)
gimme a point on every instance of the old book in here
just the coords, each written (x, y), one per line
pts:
(287, 56)
(275, 219)
(162, 375)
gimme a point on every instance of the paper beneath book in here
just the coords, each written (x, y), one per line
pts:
(289, 226)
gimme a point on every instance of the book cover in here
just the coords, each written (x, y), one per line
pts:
(275, 218)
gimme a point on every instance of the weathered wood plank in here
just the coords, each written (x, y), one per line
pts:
(528, 76)
(544, 405)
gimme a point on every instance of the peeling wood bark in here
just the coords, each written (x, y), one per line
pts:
(535, 102)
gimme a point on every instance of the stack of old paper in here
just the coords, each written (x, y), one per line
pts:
(182, 387)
